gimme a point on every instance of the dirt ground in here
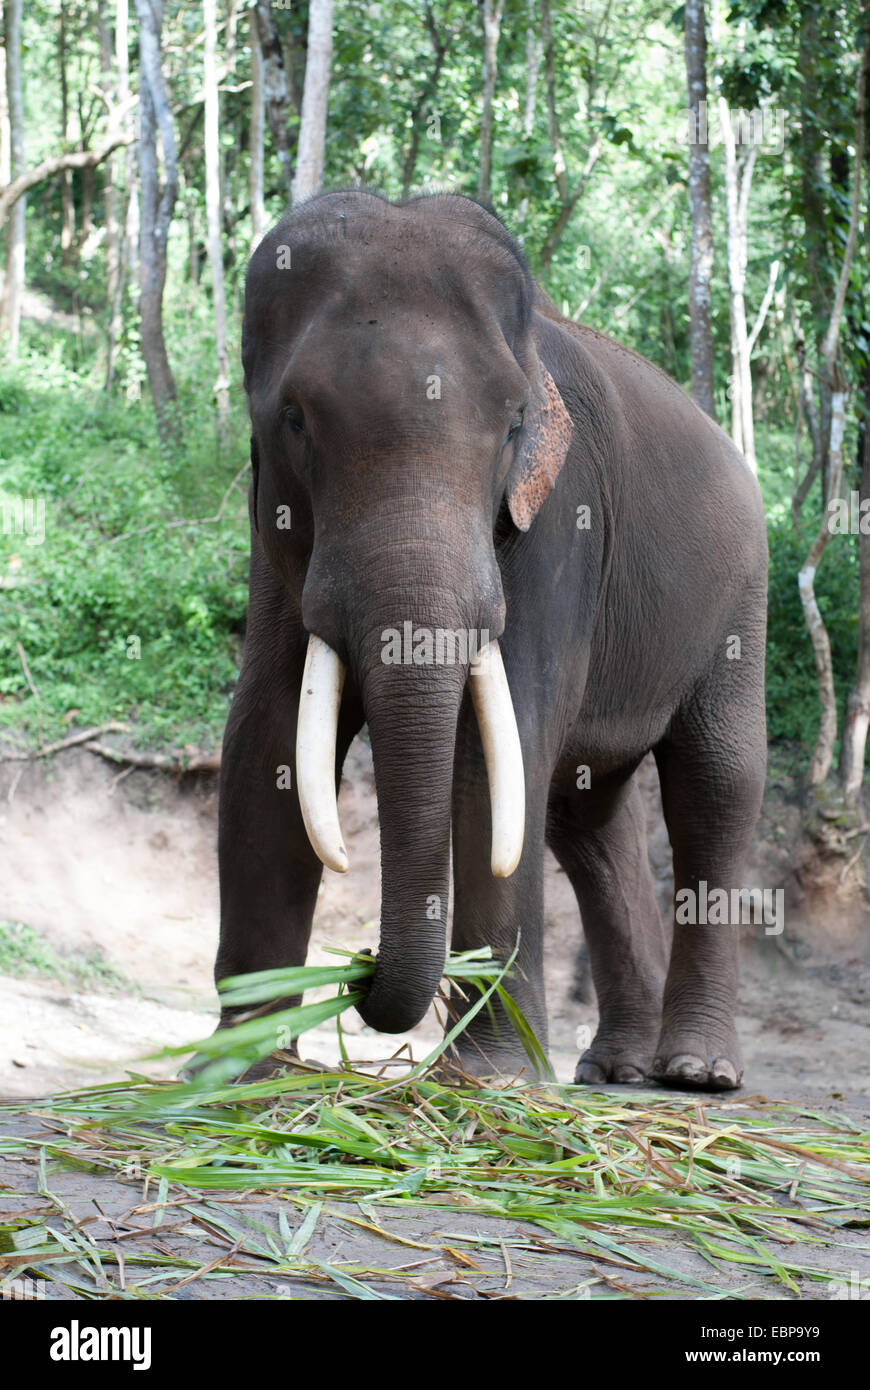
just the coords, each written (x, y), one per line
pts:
(124, 869)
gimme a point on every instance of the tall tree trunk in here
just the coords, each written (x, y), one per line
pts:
(857, 719)
(533, 63)
(157, 207)
(738, 180)
(112, 193)
(128, 231)
(824, 750)
(701, 268)
(815, 218)
(68, 215)
(491, 12)
(315, 97)
(258, 126)
(5, 151)
(213, 210)
(15, 232)
(275, 90)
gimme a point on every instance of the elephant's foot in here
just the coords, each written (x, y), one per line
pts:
(708, 1061)
(619, 1061)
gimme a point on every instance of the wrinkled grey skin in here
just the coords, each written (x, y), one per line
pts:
(615, 638)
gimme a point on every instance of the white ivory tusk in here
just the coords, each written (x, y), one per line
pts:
(493, 706)
(319, 701)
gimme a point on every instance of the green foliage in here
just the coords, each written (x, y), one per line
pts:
(792, 699)
(25, 951)
(792, 693)
(115, 563)
(119, 561)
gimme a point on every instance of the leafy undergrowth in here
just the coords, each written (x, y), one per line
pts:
(24, 951)
(696, 1199)
(123, 565)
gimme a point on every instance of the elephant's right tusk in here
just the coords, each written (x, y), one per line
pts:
(319, 701)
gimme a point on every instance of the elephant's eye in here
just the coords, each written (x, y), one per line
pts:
(294, 419)
(516, 424)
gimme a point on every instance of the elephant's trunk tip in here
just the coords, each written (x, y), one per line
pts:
(389, 1009)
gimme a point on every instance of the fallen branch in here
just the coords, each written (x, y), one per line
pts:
(69, 742)
(163, 762)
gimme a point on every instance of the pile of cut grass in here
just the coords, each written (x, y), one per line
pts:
(615, 1178)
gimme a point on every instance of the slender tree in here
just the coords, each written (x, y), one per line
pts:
(5, 152)
(315, 97)
(701, 266)
(213, 209)
(857, 720)
(68, 217)
(491, 13)
(157, 207)
(275, 89)
(815, 218)
(738, 181)
(823, 751)
(533, 63)
(111, 191)
(15, 234)
(121, 119)
(258, 127)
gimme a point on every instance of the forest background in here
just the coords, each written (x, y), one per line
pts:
(691, 180)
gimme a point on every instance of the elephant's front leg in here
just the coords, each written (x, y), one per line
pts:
(269, 874)
(489, 911)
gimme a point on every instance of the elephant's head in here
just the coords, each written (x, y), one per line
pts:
(398, 403)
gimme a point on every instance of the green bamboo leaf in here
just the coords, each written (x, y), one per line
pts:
(298, 1242)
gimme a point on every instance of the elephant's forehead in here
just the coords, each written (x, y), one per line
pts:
(386, 268)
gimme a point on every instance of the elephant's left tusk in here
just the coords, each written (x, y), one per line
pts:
(493, 706)
(319, 701)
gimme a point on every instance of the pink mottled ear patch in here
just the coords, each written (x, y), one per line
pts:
(546, 438)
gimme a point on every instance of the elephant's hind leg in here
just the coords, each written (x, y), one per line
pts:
(606, 862)
(712, 775)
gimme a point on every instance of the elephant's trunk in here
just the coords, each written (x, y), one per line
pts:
(412, 716)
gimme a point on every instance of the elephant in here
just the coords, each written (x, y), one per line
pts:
(436, 449)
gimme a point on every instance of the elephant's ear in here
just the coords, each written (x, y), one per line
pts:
(543, 447)
(255, 478)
